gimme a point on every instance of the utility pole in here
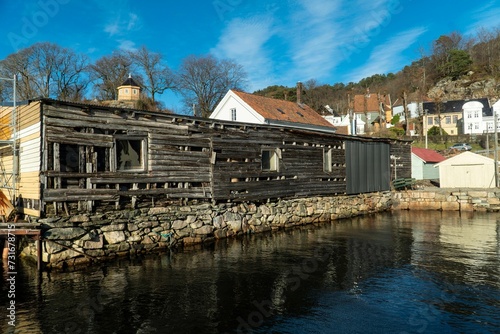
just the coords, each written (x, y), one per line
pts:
(405, 110)
(424, 126)
(495, 123)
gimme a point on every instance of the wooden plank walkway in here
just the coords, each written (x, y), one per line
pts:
(22, 228)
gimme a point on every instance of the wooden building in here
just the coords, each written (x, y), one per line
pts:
(74, 157)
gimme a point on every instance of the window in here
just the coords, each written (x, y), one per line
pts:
(429, 120)
(69, 158)
(130, 154)
(134, 91)
(448, 119)
(269, 160)
(476, 126)
(469, 115)
(233, 114)
(455, 119)
(327, 160)
(126, 91)
(476, 114)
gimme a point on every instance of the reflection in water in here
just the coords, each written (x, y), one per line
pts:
(409, 272)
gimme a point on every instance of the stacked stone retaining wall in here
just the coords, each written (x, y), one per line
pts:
(93, 237)
(448, 200)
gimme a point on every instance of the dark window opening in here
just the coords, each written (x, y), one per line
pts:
(269, 160)
(69, 158)
(102, 159)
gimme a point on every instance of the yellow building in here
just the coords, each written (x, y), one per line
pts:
(129, 90)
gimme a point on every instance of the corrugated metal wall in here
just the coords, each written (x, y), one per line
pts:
(368, 167)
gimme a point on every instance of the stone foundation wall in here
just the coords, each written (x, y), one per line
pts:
(84, 238)
(448, 200)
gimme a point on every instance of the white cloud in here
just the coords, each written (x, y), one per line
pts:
(487, 17)
(243, 40)
(133, 19)
(308, 39)
(127, 45)
(120, 26)
(324, 34)
(387, 57)
(112, 28)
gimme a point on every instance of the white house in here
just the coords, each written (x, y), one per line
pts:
(467, 170)
(250, 108)
(414, 108)
(344, 122)
(475, 122)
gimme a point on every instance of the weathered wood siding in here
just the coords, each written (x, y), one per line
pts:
(237, 168)
(28, 140)
(177, 158)
(401, 166)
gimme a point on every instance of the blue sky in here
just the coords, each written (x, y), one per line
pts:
(277, 42)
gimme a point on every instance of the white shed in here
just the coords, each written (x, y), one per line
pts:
(467, 170)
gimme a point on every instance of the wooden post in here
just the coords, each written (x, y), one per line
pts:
(57, 168)
(135, 186)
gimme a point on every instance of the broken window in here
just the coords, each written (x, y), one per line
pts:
(130, 154)
(327, 159)
(269, 160)
(69, 158)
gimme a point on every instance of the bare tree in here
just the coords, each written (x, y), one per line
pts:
(205, 80)
(108, 73)
(486, 52)
(47, 70)
(156, 74)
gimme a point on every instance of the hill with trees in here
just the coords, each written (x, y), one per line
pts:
(456, 68)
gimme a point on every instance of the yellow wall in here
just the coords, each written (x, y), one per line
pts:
(450, 129)
(28, 127)
(128, 93)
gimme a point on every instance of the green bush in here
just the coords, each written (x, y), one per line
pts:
(435, 131)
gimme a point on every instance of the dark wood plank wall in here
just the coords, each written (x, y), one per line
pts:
(187, 158)
(402, 151)
(178, 159)
(238, 174)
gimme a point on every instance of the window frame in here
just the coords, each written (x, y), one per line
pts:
(327, 160)
(272, 160)
(233, 114)
(143, 155)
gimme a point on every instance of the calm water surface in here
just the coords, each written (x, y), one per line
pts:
(407, 272)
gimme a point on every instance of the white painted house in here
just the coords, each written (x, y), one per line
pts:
(243, 107)
(345, 122)
(467, 170)
(475, 122)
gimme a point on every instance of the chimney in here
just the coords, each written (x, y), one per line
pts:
(299, 92)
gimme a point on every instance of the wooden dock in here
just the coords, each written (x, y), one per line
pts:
(22, 228)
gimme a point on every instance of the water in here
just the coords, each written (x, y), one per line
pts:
(407, 272)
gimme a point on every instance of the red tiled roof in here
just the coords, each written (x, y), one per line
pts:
(280, 110)
(427, 155)
(369, 102)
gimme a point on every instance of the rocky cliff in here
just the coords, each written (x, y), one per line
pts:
(465, 88)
